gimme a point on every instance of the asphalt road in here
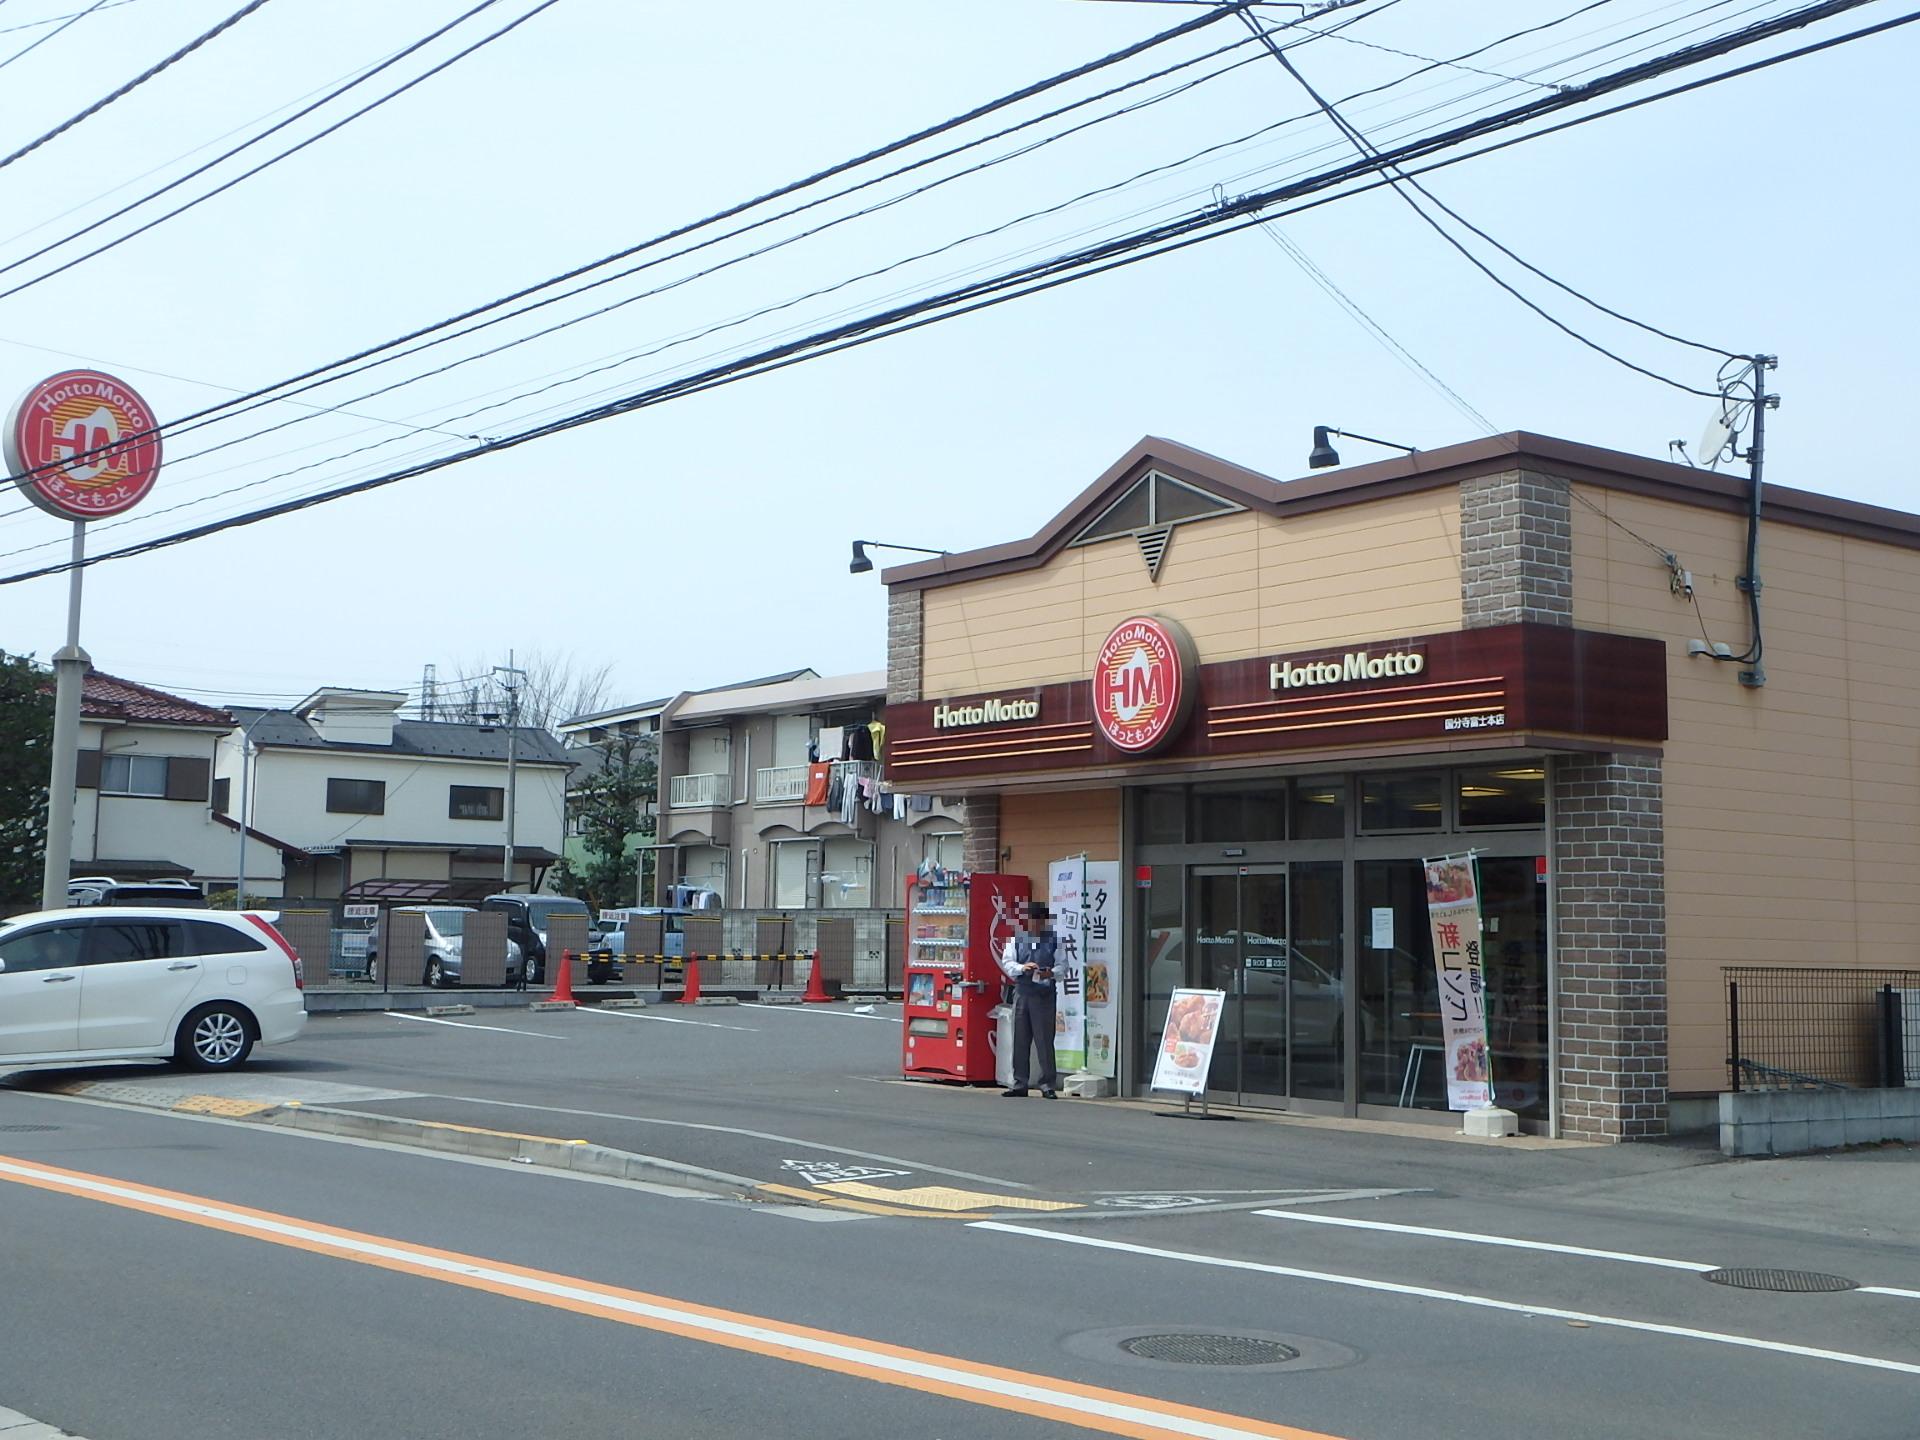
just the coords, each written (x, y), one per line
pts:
(174, 1276)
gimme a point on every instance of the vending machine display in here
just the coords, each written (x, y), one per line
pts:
(955, 923)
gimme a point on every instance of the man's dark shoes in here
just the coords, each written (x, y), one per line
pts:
(1046, 1094)
(1018, 1092)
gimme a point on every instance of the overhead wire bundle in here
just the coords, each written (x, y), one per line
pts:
(1400, 144)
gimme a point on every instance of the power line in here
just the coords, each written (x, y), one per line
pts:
(729, 212)
(135, 83)
(71, 21)
(255, 140)
(150, 515)
(1151, 243)
(1366, 147)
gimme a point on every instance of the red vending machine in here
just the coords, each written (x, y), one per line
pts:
(955, 924)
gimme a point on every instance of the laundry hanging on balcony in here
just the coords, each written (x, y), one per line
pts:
(819, 783)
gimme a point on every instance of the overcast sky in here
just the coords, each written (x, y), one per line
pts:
(706, 539)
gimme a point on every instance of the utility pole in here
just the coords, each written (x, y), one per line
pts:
(426, 692)
(512, 679)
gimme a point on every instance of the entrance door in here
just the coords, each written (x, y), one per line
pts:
(1241, 947)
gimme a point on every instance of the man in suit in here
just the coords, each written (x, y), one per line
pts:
(1027, 961)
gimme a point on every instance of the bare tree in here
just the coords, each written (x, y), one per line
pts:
(558, 686)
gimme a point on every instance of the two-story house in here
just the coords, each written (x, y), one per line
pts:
(773, 797)
(142, 803)
(363, 804)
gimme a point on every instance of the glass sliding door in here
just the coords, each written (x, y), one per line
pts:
(1241, 947)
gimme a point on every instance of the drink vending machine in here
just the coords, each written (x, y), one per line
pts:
(956, 922)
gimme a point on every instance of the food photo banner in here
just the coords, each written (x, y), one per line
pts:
(1453, 910)
(1186, 1043)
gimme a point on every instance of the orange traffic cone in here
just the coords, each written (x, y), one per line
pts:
(563, 980)
(691, 995)
(816, 985)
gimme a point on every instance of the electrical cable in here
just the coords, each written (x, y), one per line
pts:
(245, 175)
(1380, 333)
(135, 83)
(361, 450)
(1065, 269)
(1366, 147)
(842, 167)
(71, 21)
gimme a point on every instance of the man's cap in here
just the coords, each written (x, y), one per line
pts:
(1038, 911)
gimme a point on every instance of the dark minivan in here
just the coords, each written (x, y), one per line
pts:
(527, 917)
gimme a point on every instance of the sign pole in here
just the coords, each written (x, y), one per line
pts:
(69, 678)
(80, 445)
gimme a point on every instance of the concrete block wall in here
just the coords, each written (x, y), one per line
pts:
(906, 630)
(1791, 1122)
(1609, 872)
(1516, 550)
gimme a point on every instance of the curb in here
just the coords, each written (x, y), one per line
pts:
(580, 1156)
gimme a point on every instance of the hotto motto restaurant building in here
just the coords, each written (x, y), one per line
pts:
(1270, 700)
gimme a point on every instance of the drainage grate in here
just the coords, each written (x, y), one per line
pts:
(26, 1129)
(1209, 1349)
(1801, 1282)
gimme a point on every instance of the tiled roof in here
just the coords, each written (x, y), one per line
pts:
(443, 739)
(107, 697)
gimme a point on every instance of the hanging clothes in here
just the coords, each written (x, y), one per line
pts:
(819, 781)
(922, 802)
(900, 805)
(878, 730)
(850, 800)
(859, 742)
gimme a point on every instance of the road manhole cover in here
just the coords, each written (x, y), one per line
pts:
(1802, 1282)
(26, 1129)
(1209, 1349)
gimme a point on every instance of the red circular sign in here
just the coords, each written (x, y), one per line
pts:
(83, 445)
(1142, 685)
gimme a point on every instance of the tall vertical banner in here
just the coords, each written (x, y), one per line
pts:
(1100, 902)
(1453, 910)
(1066, 892)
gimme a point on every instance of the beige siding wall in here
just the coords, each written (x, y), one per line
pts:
(1040, 829)
(1792, 811)
(1243, 585)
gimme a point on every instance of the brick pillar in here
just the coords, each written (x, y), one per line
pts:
(906, 627)
(981, 848)
(1516, 550)
(1609, 873)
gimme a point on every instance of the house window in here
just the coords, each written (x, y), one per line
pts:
(476, 802)
(356, 797)
(222, 794)
(133, 775)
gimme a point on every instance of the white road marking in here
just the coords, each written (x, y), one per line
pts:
(1890, 1290)
(808, 1212)
(749, 1134)
(469, 1025)
(1423, 1292)
(663, 1019)
(1347, 1222)
(813, 1010)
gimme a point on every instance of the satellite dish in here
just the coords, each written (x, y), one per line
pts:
(1713, 441)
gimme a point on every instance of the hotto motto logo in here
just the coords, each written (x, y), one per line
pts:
(80, 445)
(1142, 686)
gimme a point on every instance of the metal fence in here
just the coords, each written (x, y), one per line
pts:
(1811, 1027)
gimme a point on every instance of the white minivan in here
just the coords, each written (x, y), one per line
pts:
(201, 987)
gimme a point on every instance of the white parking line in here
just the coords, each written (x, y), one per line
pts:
(1484, 1302)
(469, 1025)
(1470, 1237)
(810, 1010)
(1890, 1290)
(663, 1019)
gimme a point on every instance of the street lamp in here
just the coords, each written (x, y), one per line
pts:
(1324, 455)
(860, 564)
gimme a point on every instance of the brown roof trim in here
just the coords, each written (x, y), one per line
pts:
(1407, 474)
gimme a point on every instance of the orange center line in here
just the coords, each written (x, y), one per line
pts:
(1090, 1407)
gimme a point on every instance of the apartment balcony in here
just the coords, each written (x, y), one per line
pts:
(700, 792)
(780, 785)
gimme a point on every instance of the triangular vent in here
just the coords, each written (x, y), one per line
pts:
(1153, 548)
(1154, 501)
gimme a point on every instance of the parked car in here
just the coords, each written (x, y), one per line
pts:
(443, 942)
(104, 890)
(528, 917)
(145, 982)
